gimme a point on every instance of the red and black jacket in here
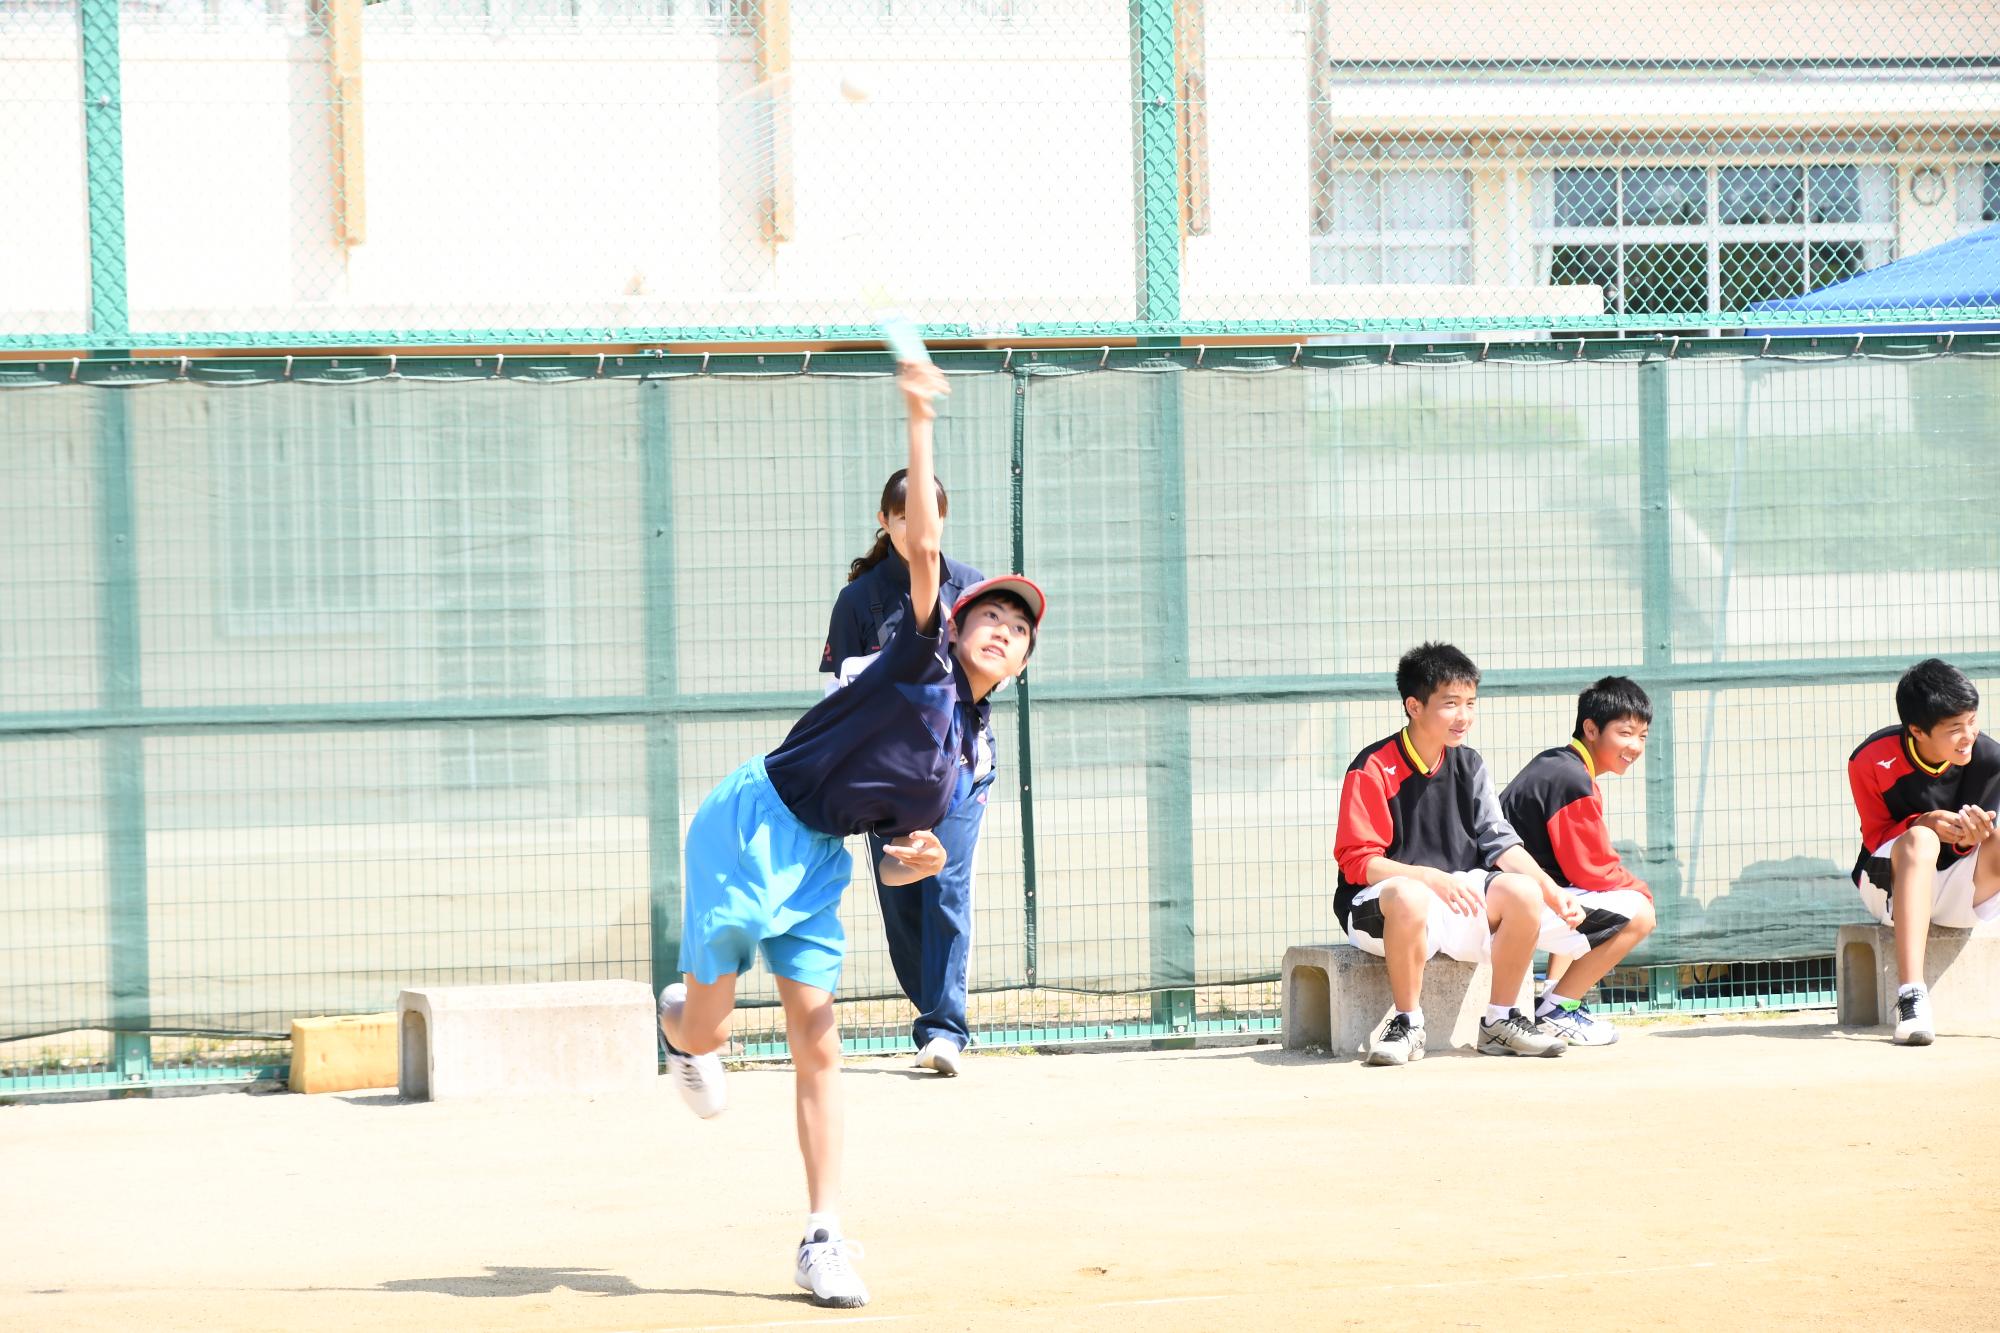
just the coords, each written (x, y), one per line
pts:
(1555, 804)
(1393, 805)
(1892, 787)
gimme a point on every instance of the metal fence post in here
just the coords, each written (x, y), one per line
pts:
(104, 171)
(1169, 770)
(1657, 625)
(663, 807)
(124, 755)
(1024, 761)
(1156, 160)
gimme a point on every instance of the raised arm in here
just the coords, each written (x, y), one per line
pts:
(922, 386)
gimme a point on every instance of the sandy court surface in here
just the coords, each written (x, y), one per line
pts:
(1725, 1174)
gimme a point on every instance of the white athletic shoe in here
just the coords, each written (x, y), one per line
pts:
(1914, 1025)
(940, 1054)
(823, 1269)
(1398, 1043)
(1515, 1035)
(698, 1078)
(1577, 1027)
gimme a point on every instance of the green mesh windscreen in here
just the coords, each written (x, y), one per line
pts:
(291, 173)
(314, 689)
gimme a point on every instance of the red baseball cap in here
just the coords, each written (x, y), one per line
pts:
(1021, 586)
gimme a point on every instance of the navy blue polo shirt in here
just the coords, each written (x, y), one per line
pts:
(894, 750)
(868, 609)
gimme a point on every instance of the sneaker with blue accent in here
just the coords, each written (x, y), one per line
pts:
(1576, 1026)
(824, 1269)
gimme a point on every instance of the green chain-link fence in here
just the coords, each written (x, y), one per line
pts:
(310, 173)
(326, 677)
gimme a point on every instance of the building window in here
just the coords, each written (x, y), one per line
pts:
(489, 505)
(1978, 196)
(1410, 226)
(296, 535)
(729, 15)
(1692, 240)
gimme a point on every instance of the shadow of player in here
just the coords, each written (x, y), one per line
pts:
(499, 1281)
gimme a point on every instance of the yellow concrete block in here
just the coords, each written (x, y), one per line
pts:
(341, 1054)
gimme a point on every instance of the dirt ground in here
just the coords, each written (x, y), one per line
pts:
(1734, 1173)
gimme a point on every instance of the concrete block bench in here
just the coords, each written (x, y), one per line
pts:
(528, 1040)
(1961, 969)
(1337, 997)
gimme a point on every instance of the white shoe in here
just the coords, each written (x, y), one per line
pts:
(1398, 1043)
(699, 1078)
(823, 1269)
(1515, 1035)
(940, 1054)
(1914, 1025)
(1577, 1027)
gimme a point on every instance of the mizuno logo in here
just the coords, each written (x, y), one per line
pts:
(1390, 769)
(1886, 763)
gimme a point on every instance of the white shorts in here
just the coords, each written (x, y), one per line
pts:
(1469, 939)
(1606, 912)
(1951, 895)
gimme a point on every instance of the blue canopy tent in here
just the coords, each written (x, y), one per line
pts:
(1963, 274)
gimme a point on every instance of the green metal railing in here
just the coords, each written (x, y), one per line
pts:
(215, 823)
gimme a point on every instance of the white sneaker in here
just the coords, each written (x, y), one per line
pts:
(940, 1054)
(1398, 1043)
(1577, 1027)
(823, 1270)
(1914, 1025)
(1515, 1035)
(699, 1078)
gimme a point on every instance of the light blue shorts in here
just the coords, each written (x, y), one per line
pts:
(758, 878)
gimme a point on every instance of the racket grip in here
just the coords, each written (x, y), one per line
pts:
(901, 334)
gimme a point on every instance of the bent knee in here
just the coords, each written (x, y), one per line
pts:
(1917, 843)
(1512, 890)
(1406, 899)
(1643, 920)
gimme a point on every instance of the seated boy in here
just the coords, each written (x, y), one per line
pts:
(1429, 865)
(1925, 790)
(1555, 805)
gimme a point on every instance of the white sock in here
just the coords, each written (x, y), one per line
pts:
(827, 1222)
(1910, 988)
(1496, 1012)
(1416, 1016)
(1552, 1002)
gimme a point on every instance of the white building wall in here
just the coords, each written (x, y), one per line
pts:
(598, 176)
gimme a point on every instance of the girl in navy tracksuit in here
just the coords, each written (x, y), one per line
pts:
(928, 924)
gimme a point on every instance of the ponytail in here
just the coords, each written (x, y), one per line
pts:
(875, 556)
(894, 497)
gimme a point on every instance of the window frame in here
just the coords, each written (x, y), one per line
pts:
(1325, 235)
(1712, 234)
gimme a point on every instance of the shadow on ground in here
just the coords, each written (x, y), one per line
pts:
(503, 1281)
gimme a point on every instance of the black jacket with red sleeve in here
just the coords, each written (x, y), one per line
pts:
(1892, 787)
(1392, 804)
(1555, 804)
